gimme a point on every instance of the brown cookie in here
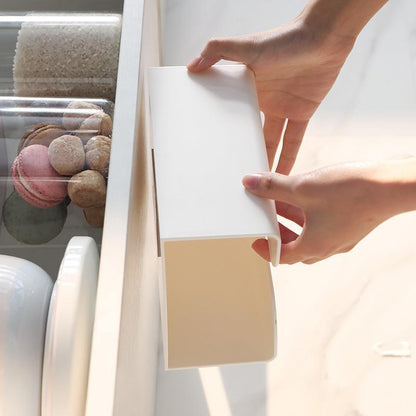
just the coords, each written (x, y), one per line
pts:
(42, 133)
(27, 133)
(77, 112)
(87, 189)
(95, 216)
(98, 154)
(99, 124)
(66, 155)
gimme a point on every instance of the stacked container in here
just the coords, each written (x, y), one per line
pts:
(57, 84)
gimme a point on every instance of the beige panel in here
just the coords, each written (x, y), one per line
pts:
(220, 303)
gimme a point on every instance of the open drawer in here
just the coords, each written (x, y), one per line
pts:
(123, 363)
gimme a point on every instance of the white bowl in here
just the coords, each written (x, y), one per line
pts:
(25, 291)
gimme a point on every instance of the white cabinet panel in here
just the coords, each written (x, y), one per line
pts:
(125, 343)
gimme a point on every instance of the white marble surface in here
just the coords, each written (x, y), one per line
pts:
(335, 318)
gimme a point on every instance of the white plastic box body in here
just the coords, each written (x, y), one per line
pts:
(217, 300)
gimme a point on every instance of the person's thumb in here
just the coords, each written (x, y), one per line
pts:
(240, 49)
(271, 186)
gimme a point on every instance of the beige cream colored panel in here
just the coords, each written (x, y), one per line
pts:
(221, 310)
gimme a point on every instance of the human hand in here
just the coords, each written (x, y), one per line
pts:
(336, 206)
(295, 66)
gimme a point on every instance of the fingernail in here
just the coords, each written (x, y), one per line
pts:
(251, 181)
(195, 62)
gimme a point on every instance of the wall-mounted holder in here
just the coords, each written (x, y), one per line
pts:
(217, 299)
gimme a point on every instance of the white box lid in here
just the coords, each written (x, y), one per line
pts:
(208, 135)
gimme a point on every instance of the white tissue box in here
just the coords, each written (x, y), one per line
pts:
(217, 299)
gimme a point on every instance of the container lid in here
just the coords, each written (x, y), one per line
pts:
(69, 330)
(207, 135)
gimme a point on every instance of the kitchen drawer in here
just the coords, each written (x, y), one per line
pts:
(123, 363)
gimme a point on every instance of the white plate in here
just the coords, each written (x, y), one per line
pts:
(25, 291)
(69, 330)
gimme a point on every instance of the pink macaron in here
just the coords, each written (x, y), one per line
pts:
(35, 179)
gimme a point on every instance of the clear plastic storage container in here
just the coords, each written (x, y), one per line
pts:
(54, 160)
(58, 75)
(59, 55)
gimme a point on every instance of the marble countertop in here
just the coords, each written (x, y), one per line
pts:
(347, 325)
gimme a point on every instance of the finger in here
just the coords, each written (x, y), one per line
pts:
(290, 212)
(312, 260)
(272, 186)
(273, 128)
(289, 254)
(241, 49)
(295, 251)
(286, 234)
(201, 63)
(261, 247)
(292, 140)
(342, 250)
